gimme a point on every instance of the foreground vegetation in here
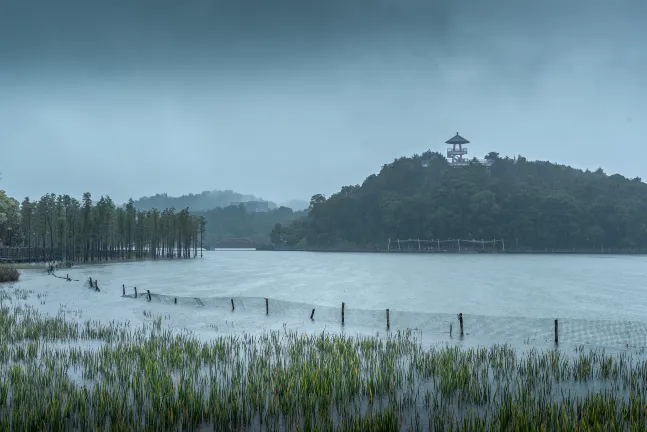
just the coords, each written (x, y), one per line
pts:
(530, 205)
(59, 374)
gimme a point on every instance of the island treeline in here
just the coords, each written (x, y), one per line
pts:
(60, 227)
(530, 205)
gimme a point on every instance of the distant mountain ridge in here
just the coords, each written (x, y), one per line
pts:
(207, 200)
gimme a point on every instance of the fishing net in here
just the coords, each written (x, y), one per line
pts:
(485, 328)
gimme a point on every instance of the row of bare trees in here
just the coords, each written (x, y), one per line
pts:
(59, 227)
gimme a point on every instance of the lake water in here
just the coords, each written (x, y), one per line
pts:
(599, 300)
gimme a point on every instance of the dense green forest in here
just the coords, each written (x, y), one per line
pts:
(61, 226)
(204, 201)
(236, 222)
(530, 205)
(64, 228)
(223, 220)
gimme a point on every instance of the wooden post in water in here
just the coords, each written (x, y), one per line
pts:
(342, 312)
(312, 314)
(123, 290)
(232, 305)
(556, 332)
(388, 321)
(135, 292)
(267, 308)
(460, 320)
(149, 294)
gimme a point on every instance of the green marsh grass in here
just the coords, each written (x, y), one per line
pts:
(60, 374)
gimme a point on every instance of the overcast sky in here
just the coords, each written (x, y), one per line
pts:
(287, 98)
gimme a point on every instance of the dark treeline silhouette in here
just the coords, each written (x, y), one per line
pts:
(64, 228)
(530, 205)
(235, 222)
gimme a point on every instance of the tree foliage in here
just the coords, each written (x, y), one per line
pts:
(236, 222)
(8, 273)
(64, 228)
(537, 205)
(9, 216)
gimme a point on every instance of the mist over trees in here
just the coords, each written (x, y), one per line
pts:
(530, 205)
(204, 201)
(223, 219)
(236, 222)
(296, 205)
(63, 228)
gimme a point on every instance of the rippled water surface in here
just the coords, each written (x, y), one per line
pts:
(599, 300)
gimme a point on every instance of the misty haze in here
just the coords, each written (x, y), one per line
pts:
(337, 215)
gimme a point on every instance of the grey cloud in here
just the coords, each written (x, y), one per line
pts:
(284, 99)
(122, 32)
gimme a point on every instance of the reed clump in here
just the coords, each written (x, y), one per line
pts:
(57, 374)
(9, 273)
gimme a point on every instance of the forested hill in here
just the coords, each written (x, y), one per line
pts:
(224, 221)
(206, 200)
(63, 226)
(527, 204)
(235, 222)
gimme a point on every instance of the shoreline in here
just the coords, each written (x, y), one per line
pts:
(36, 265)
(512, 252)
